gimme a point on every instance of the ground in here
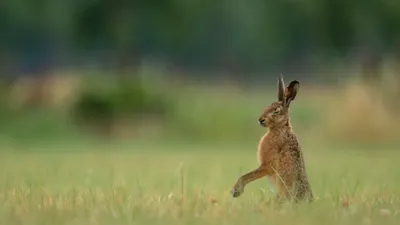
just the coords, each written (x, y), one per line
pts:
(190, 184)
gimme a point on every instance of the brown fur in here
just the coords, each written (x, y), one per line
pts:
(279, 153)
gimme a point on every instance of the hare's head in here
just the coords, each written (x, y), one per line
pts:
(277, 113)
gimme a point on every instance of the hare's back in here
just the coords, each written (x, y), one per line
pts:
(291, 150)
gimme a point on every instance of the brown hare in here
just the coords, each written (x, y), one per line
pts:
(279, 153)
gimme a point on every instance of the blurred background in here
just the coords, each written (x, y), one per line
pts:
(196, 72)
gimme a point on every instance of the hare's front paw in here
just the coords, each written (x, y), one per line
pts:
(237, 190)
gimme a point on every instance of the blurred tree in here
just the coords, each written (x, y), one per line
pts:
(222, 33)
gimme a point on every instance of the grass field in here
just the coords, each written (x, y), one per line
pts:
(171, 185)
(51, 175)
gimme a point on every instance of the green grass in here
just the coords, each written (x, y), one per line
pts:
(187, 184)
(184, 177)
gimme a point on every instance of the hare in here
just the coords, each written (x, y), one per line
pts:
(279, 153)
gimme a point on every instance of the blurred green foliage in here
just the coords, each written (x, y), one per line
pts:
(233, 33)
(187, 112)
(149, 108)
(106, 98)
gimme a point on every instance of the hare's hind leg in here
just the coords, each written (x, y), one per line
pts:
(247, 178)
(283, 190)
(284, 183)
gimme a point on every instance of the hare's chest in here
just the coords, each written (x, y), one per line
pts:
(267, 151)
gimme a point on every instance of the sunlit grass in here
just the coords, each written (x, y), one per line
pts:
(173, 187)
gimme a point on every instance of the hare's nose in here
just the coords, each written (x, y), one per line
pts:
(261, 121)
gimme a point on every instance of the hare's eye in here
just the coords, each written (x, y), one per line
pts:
(276, 112)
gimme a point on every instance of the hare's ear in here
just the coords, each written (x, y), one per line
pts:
(291, 92)
(281, 89)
